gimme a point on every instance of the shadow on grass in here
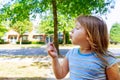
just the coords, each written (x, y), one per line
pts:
(22, 78)
(41, 64)
(27, 78)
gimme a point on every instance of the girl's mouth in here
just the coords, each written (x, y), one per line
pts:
(70, 37)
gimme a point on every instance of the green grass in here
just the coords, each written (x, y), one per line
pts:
(24, 70)
(25, 78)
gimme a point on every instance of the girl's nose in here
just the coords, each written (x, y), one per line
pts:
(72, 30)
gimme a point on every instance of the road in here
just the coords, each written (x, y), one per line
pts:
(42, 51)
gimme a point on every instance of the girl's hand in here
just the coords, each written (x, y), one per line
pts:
(52, 50)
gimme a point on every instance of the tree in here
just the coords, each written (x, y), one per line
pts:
(85, 7)
(2, 27)
(22, 27)
(65, 25)
(2, 30)
(54, 6)
(80, 7)
(46, 25)
(21, 9)
(115, 32)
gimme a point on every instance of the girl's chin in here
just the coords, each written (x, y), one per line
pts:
(74, 43)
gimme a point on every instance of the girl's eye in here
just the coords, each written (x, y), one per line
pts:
(77, 28)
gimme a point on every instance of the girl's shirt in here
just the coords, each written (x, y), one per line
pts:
(87, 66)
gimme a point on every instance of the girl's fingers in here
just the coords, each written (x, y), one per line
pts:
(52, 50)
(51, 47)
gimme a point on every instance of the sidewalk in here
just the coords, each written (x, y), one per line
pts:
(40, 50)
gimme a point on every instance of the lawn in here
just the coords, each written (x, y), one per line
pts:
(24, 68)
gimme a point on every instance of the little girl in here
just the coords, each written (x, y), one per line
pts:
(92, 61)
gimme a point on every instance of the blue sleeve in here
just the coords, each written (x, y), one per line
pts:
(111, 61)
(68, 53)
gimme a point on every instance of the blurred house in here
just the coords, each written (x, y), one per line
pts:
(12, 37)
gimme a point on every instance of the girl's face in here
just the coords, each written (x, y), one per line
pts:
(78, 34)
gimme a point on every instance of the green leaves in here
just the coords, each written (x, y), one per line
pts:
(2, 30)
(22, 27)
(115, 32)
(76, 7)
(19, 10)
(65, 23)
(46, 25)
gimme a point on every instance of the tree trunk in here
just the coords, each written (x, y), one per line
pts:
(64, 38)
(20, 40)
(55, 25)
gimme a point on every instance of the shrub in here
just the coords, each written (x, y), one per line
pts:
(1, 41)
(37, 42)
(115, 33)
(28, 42)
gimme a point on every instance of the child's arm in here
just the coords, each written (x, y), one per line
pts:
(113, 72)
(60, 70)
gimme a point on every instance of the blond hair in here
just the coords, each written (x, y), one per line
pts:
(97, 33)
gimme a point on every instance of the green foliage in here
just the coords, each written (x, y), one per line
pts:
(1, 41)
(33, 42)
(65, 23)
(115, 32)
(67, 40)
(86, 7)
(27, 42)
(46, 25)
(22, 27)
(2, 30)
(2, 17)
(37, 42)
(20, 10)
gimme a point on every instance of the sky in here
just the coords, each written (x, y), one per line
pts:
(112, 17)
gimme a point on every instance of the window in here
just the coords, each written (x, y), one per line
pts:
(38, 37)
(24, 38)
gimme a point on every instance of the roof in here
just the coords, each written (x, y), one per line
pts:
(12, 32)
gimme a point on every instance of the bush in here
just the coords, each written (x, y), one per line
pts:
(38, 42)
(69, 42)
(1, 41)
(115, 33)
(28, 42)
(60, 41)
